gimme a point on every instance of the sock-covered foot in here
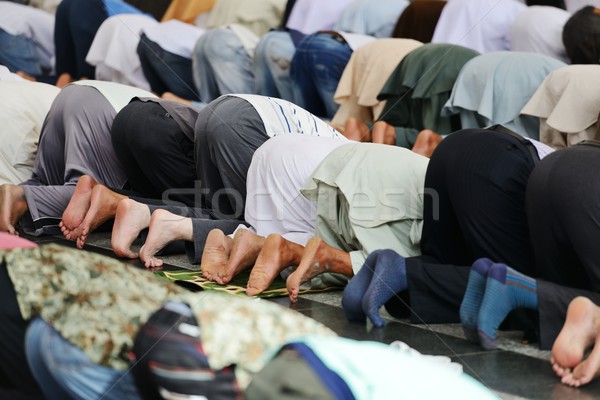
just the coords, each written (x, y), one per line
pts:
(357, 287)
(388, 279)
(505, 290)
(469, 308)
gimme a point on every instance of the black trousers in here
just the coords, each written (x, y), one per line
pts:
(157, 156)
(77, 22)
(564, 215)
(474, 207)
(14, 370)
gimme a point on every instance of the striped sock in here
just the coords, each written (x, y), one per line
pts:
(506, 290)
(469, 308)
(389, 278)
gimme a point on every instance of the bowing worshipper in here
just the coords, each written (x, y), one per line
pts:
(116, 350)
(415, 94)
(481, 25)
(320, 58)
(363, 78)
(23, 108)
(114, 49)
(26, 39)
(419, 19)
(573, 6)
(166, 50)
(581, 36)
(494, 87)
(566, 265)
(219, 150)
(539, 29)
(76, 24)
(275, 50)
(567, 104)
(74, 141)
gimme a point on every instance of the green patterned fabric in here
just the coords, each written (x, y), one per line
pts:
(237, 286)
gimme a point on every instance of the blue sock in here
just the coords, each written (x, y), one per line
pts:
(469, 308)
(505, 290)
(389, 278)
(356, 289)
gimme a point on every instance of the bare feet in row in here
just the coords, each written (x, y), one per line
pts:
(63, 80)
(12, 207)
(92, 205)
(224, 258)
(580, 332)
(357, 130)
(165, 227)
(78, 207)
(130, 219)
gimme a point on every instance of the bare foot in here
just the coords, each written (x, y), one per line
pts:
(103, 206)
(426, 142)
(165, 227)
(12, 207)
(63, 80)
(581, 329)
(173, 97)
(216, 253)
(78, 206)
(318, 258)
(356, 130)
(245, 249)
(26, 76)
(131, 217)
(588, 370)
(384, 133)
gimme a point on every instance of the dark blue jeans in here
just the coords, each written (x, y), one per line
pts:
(18, 53)
(165, 71)
(316, 69)
(77, 22)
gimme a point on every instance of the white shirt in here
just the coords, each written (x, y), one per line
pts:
(33, 24)
(310, 16)
(281, 117)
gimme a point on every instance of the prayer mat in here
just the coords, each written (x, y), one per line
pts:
(194, 280)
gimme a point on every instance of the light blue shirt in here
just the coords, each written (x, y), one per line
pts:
(373, 18)
(116, 7)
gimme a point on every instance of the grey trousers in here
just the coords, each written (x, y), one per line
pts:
(75, 141)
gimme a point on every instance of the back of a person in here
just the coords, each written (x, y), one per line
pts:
(257, 15)
(481, 25)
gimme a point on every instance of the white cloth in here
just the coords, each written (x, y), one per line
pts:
(310, 16)
(278, 170)
(281, 117)
(6, 75)
(175, 36)
(356, 41)
(23, 108)
(481, 25)
(33, 24)
(538, 29)
(118, 95)
(114, 50)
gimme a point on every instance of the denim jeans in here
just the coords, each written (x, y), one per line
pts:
(165, 71)
(65, 372)
(221, 65)
(272, 59)
(316, 69)
(18, 53)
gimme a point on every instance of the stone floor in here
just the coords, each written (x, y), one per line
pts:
(515, 371)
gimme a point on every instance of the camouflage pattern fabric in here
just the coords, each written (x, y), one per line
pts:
(98, 304)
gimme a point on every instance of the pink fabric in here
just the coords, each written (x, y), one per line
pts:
(8, 242)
